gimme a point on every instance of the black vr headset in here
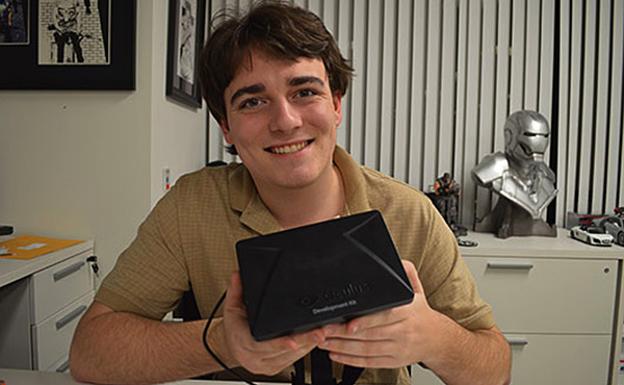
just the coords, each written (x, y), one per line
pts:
(303, 278)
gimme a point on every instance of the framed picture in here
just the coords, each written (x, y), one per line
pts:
(71, 45)
(14, 22)
(184, 43)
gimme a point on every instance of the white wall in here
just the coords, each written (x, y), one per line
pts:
(178, 133)
(86, 164)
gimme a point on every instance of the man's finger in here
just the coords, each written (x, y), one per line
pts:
(356, 325)
(412, 275)
(314, 336)
(235, 291)
(286, 358)
(280, 345)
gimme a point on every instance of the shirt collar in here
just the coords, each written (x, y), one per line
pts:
(356, 194)
(245, 199)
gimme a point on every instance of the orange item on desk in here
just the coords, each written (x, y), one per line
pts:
(27, 246)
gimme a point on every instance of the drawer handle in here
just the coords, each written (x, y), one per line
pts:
(67, 271)
(70, 317)
(63, 368)
(510, 265)
(517, 341)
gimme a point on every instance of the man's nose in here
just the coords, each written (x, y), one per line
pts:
(286, 117)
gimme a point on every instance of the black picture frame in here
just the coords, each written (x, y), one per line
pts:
(183, 50)
(26, 67)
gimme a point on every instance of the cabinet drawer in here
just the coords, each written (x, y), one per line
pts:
(548, 295)
(60, 366)
(547, 360)
(60, 285)
(52, 337)
(560, 359)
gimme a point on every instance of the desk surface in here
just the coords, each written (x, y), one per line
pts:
(27, 377)
(12, 270)
(561, 246)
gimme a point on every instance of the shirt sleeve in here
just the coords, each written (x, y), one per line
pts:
(452, 288)
(150, 276)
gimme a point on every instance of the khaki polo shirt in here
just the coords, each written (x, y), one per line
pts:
(188, 240)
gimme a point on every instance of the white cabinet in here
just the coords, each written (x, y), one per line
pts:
(557, 302)
(552, 296)
(52, 336)
(560, 359)
(59, 285)
(41, 302)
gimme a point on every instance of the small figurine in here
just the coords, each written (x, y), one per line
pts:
(445, 197)
(446, 186)
(524, 183)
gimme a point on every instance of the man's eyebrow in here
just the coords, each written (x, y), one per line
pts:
(253, 89)
(299, 80)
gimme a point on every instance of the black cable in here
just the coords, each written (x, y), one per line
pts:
(298, 364)
(213, 354)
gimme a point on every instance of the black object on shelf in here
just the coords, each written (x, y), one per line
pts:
(6, 230)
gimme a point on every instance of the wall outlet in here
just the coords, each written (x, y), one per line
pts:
(166, 179)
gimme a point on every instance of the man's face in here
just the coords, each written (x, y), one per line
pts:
(282, 118)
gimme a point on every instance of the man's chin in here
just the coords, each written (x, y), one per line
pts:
(296, 183)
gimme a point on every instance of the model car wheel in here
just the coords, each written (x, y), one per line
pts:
(621, 239)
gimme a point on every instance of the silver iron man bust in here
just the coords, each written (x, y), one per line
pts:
(524, 183)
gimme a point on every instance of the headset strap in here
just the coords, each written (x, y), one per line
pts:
(322, 371)
(298, 377)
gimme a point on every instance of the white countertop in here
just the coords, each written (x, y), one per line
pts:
(538, 247)
(12, 270)
(27, 377)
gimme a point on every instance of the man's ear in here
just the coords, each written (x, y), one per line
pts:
(337, 99)
(225, 130)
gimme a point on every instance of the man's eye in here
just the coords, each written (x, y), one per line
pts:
(305, 93)
(250, 103)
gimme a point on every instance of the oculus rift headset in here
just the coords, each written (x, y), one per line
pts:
(329, 272)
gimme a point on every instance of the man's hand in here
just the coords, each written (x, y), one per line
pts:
(417, 333)
(389, 339)
(266, 357)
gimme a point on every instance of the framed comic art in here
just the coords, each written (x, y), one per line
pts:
(14, 23)
(68, 44)
(184, 43)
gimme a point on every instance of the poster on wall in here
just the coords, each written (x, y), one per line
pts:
(74, 44)
(74, 33)
(184, 44)
(13, 23)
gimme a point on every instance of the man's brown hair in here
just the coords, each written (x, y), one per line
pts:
(279, 29)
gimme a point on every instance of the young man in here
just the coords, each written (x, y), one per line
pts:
(275, 79)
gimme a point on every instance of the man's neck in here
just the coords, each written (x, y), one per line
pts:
(320, 201)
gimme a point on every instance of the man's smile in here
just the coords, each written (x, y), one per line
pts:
(289, 148)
